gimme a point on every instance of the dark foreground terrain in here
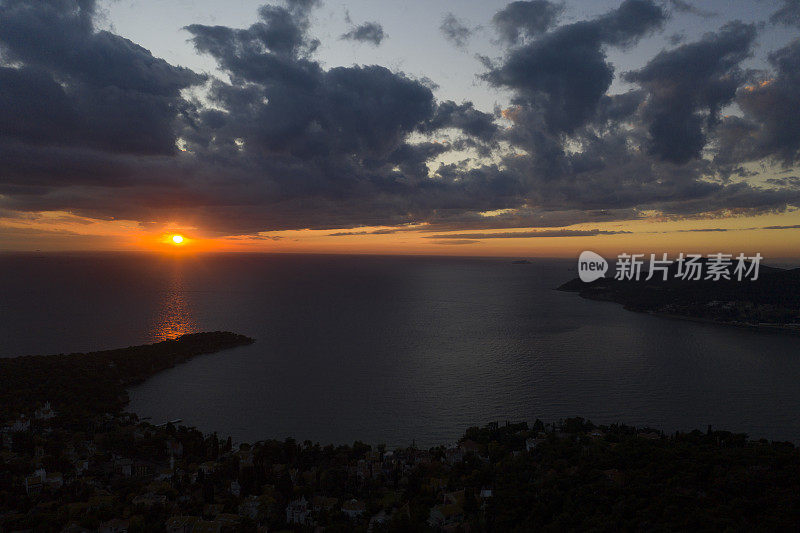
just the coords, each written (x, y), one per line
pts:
(69, 462)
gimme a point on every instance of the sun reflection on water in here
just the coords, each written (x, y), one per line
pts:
(174, 317)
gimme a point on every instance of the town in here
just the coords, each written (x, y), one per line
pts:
(67, 463)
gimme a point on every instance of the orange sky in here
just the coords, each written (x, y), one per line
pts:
(59, 231)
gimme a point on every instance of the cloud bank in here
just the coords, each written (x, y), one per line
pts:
(93, 124)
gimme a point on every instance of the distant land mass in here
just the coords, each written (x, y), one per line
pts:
(771, 302)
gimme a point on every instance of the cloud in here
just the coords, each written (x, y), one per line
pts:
(368, 32)
(457, 241)
(455, 30)
(73, 85)
(793, 226)
(465, 117)
(767, 131)
(522, 19)
(688, 86)
(788, 14)
(563, 75)
(687, 7)
(789, 181)
(385, 231)
(528, 234)
(95, 125)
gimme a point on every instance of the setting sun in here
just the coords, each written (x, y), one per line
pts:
(177, 239)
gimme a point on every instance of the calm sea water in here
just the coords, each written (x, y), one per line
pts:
(390, 349)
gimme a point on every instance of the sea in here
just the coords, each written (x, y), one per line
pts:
(396, 350)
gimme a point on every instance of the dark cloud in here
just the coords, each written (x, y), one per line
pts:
(368, 32)
(525, 19)
(455, 31)
(793, 226)
(73, 85)
(93, 124)
(464, 117)
(789, 181)
(788, 14)
(529, 234)
(563, 75)
(456, 241)
(688, 86)
(687, 7)
(676, 38)
(384, 231)
(772, 107)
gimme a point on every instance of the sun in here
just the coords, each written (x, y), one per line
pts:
(177, 239)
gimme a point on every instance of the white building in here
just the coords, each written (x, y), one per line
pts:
(45, 412)
(297, 512)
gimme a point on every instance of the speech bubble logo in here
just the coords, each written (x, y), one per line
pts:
(591, 266)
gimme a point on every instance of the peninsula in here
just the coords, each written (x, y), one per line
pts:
(771, 302)
(96, 382)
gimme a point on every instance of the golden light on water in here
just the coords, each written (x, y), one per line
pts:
(174, 317)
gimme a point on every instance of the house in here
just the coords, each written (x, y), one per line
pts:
(75, 528)
(144, 468)
(445, 515)
(6, 439)
(454, 498)
(470, 446)
(437, 483)
(117, 525)
(149, 500)
(297, 512)
(208, 467)
(21, 424)
(45, 412)
(249, 507)
(323, 503)
(650, 435)
(81, 466)
(54, 481)
(377, 520)
(532, 443)
(453, 455)
(174, 448)
(212, 510)
(614, 476)
(123, 466)
(354, 508)
(246, 458)
(33, 485)
(207, 526)
(363, 469)
(181, 524)
(228, 521)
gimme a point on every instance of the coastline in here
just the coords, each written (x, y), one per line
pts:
(723, 304)
(762, 328)
(62, 463)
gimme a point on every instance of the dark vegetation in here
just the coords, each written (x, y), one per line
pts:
(88, 466)
(95, 382)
